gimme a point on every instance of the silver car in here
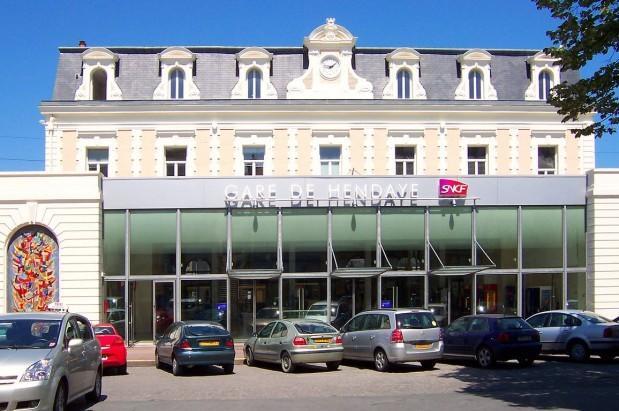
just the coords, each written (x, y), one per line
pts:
(47, 360)
(292, 342)
(577, 333)
(393, 336)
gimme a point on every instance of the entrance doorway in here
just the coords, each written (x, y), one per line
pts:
(253, 304)
(350, 296)
(151, 309)
(450, 297)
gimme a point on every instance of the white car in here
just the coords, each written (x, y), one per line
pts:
(577, 333)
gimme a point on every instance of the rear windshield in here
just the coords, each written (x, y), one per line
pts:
(104, 330)
(512, 323)
(203, 330)
(593, 317)
(415, 320)
(314, 328)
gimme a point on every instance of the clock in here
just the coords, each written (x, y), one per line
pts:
(330, 67)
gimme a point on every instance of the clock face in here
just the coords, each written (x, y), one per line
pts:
(330, 67)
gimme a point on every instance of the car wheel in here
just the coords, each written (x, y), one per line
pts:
(333, 365)
(157, 361)
(95, 394)
(228, 368)
(578, 352)
(381, 362)
(287, 364)
(177, 369)
(122, 370)
(60, 399)
(428, 364)
(526, 361)
(485, 357)
(607, 357)
(249, 357)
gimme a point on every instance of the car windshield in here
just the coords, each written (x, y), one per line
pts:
(203, 330)
(415, 320)
(29, 333)
(314, 328)
(321, 309)
(593, 318)
(104, 330)
(512, 323)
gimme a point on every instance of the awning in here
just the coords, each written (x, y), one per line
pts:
(255, 274)
(458, 270)
(359, 272)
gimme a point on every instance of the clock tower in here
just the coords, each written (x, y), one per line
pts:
(330, 74)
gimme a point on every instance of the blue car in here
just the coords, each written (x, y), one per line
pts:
(195, 343)
(489, 338)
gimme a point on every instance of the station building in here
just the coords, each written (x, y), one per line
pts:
(242, 184)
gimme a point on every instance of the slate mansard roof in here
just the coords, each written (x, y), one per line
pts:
(216, 71)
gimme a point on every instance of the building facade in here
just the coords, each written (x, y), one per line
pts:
(244, 184)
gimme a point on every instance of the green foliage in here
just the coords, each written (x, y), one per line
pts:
(588, 28)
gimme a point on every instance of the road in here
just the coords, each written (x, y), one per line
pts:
(556, 384)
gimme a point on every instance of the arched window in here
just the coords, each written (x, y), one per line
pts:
(545, 84)
(404, 84)
(177, 83)
(33, 272)
(475, 85)
(99, 85)
(254, 78)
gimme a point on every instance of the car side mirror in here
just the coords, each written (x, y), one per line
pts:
(254, 334)
(75, 345)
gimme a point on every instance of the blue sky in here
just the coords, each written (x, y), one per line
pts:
(32, 31)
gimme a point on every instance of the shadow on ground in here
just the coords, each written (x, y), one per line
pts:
(553, 382)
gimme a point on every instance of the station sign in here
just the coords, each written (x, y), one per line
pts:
(452, 188)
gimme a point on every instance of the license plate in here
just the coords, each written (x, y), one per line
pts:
(525, 338)
(423, 346)
(208, 343)
(322, 340)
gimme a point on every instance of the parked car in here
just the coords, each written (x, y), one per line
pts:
(293, 342)
(48, 359)
(195, 343)
(393, 336)
(577, 333)
(488, 338)
(340, 311)
(113, 350)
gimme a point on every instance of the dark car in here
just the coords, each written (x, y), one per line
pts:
(195, 343)
(490, 338)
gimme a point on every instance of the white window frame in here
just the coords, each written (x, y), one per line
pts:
(405, 162)
(477, 161)
(179, 79)
(98, 163)
(253, 163)
(331, 138)
(176, 58)
(479, 138)
(175, 163)
(544, 92)
(175, 139)
(251, 84)
(331, 163)
(253, 138)
(547, 171)
(474, 88)
(550, 138)
(404, 59)
(93, 59)
(406, 138)
(537, 64)
(97, 139)
(403, 83)
(254, 58)
(478, 60)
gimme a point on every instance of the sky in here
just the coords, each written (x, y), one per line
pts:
(32, 30)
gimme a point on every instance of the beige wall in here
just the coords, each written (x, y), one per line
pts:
(202, 152)
(453, 151)
(380, 152)
(226, 152)
(431, 160)
(123, 162)
(503, 154)
(356, 152)
(572, 154)
(304, 164)
(147, 164)
(69, 150)
(524, 152)
(280, 152)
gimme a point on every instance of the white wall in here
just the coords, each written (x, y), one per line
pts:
(70, 206)
(603, 240)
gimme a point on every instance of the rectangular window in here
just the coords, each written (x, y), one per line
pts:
(175, 161)
(304, 250)
(477, 160)
(113, 243)
(98, 160)
(253, 160)
(542, 237)
(152, 242)
(405, 161)
(546, 160)
(330, 160)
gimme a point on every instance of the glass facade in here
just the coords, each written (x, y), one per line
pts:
(207, 264)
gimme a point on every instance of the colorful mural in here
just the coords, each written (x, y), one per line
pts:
(33, 271)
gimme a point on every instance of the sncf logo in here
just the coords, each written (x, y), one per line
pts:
(452, 188)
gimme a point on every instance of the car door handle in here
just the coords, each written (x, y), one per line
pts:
(372, 337)
(354, 338)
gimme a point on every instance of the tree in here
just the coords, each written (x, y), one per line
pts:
(588, 28)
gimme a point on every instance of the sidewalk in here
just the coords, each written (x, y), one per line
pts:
(143, 355)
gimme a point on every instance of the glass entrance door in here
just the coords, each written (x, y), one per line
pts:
(163, 306)
(450, 297)
(254, 303)
(350, 296)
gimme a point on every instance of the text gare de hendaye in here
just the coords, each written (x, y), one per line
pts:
(308, 195)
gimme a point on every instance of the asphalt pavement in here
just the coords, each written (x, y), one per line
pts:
(553, 383)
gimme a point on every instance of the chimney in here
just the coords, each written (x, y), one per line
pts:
(82, 43)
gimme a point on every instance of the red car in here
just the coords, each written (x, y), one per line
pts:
(113, 350)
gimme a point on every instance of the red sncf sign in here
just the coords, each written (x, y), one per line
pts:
(452, 188)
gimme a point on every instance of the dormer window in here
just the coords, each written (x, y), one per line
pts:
(545, 73)
(254, 78)
(177, 69)
(404, 84)
(177, 84)
(475, 85)
(475, 79)
(404, 75)
(98, 76)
